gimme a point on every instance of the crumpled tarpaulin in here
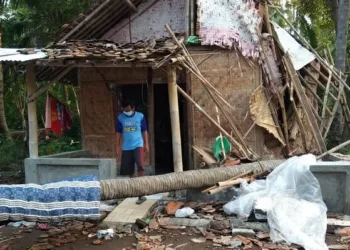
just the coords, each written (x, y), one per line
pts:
(73, 199)
(292, 198)
(230, 23)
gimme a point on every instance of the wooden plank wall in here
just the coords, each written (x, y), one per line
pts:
(231, 74)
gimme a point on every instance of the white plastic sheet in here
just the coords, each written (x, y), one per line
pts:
(293, 201)
(298, 54)
(184, 212)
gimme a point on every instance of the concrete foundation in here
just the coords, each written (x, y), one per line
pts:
(334, 178)
(44, 170)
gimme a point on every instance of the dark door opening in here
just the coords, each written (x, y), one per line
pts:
(138, 94)
(162, 128)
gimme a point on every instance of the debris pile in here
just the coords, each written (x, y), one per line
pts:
(286, 105)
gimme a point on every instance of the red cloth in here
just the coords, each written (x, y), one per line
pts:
(58, 117)
(55, 121)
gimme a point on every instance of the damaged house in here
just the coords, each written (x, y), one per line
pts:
(198, 70)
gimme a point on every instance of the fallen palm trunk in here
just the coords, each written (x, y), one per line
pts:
(122, 188)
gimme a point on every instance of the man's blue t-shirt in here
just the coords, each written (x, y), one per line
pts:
(131, 127)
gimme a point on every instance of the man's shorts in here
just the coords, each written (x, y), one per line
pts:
(130, 158)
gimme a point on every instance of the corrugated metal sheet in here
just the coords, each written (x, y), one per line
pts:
(13, 55)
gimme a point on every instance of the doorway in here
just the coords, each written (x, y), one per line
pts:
(162, 125)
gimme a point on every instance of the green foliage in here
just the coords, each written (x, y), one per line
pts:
(34, 23)
(11, 151)
(49, 16)
(61, 145)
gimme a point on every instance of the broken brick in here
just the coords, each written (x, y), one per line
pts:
(163, 221)
(173, 206)
(342, 231)
(153, 224)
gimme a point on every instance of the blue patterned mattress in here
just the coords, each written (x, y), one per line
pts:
(72, 199)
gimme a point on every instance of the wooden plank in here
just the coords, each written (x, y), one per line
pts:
(339, 223)
(311, 119)
(44, 88)
(128, 212)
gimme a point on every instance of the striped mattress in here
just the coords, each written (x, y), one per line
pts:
(70, 199)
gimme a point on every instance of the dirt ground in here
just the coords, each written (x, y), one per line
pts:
(174, 239)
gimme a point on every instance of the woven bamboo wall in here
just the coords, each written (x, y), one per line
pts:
(97, 105)
(236, 80)
(97, 118)
(148, 22)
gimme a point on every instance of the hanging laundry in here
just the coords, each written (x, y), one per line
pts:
(58, 117)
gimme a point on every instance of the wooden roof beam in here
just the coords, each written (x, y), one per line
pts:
(42, 89)
(76, 28)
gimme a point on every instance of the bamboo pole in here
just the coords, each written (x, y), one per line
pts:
(32, 112)
(231, 182)
(199, 108)
(311, 119)
(334, 149)
(221, 138)
(318, 82)
(345, 108)
(325, 64)
(188, 62)
(175, 120)
(325, 78)
(268, 26)
(150, 94)
(334, 111)
(285, 121)
(313, 93)
(325, 99)
(234, 178)
(301, 126)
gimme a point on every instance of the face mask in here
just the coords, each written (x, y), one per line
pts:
(128, 113)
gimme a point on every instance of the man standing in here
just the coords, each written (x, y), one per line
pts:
(132, 128)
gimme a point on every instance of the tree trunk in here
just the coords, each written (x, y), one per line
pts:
(3, 124)
(336, 131)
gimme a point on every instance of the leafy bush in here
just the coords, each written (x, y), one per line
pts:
(61, 145)
(11, 151)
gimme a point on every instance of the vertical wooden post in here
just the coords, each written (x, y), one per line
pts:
(151, 117)
(32, 112)
(175, 119)
(187, 19)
